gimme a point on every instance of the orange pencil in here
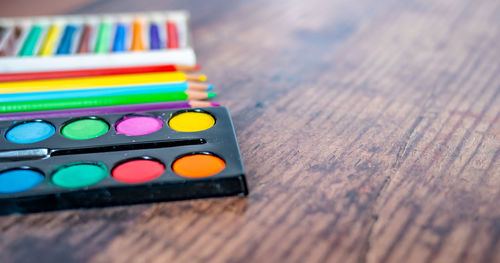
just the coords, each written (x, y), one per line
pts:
(137, 39)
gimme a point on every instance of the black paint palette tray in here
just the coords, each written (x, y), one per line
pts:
(118, 159)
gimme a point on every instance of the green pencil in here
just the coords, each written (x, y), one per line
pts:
(98, 101)
(103, 37)
(28, 48)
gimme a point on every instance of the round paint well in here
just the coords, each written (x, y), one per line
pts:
(84, 129)
(79, 174)
(191, 121)
(30, 132)
(138, 125)
(19, 180)
(138, 171)
(198, 165)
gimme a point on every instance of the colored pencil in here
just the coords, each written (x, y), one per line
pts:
(58, 104)
(182, 34)
(20, 34)
(3, 32)
(75, 39)
(81, 93)
(22, 76)
(108, 60)
(119, 41)
(97, 82)
(49, 43)
(154, 37)
(137, 36)
(28, 47)
(103, 37)
(7, 42)
(107, 110)
(172, 35)
(66, 40)
(84, 45)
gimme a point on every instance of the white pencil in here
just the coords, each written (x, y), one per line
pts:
(88, 61)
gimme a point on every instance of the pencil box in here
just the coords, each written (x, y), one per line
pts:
(43, 36)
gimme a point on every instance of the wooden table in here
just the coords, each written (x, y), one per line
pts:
(370, 131)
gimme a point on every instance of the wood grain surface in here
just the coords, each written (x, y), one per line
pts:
(370, 132)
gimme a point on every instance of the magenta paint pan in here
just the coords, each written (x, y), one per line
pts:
(138, 125)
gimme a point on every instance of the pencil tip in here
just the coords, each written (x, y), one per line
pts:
(202, 78)
(210, 87)
(211, 94)
(213, 104)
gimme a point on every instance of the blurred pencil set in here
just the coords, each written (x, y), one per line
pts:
(84, 41)
(97, 62)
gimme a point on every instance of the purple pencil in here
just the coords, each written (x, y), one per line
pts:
(107, 110)
(154, 37)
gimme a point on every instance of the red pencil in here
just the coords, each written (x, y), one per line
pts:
(6, 77)
(172, 35)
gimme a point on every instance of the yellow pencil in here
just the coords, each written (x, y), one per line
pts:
(48, 45)
(97, 82)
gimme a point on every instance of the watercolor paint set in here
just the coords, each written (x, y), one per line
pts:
(104, 110)
(33, 44)
(118, 159)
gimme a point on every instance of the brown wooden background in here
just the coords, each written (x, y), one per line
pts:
(370, 131)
